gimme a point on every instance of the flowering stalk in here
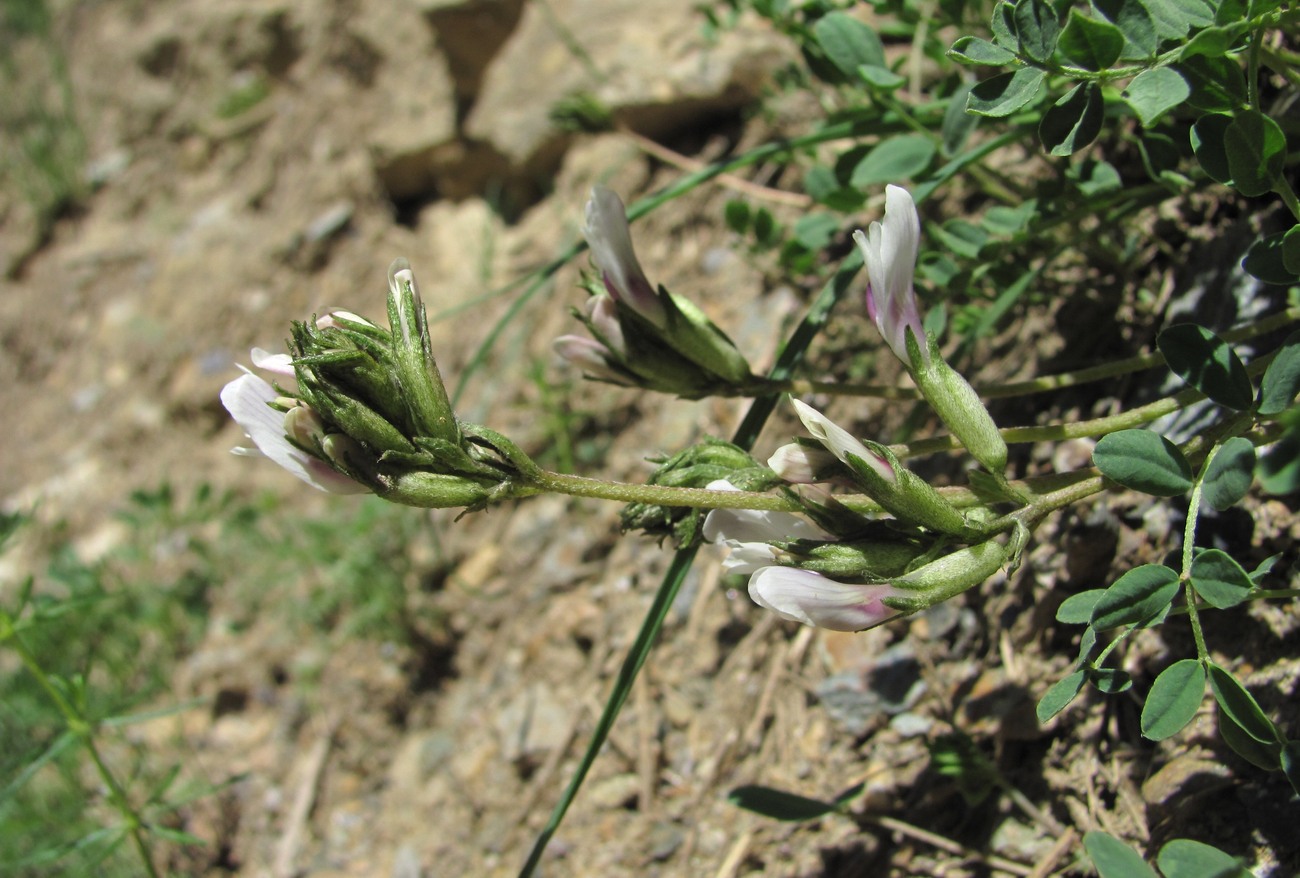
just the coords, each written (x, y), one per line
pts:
(889, 250)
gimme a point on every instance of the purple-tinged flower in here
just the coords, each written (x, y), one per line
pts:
(610, 241)
(840, 442)
(590, 356)
(889, 249)
(250, 401)
(808, 597)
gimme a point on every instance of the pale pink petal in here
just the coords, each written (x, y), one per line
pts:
(813, 599)
(589, 356)
(889, 250)
(839, 441)
(247, 398)
(276, 364)
(610, 241)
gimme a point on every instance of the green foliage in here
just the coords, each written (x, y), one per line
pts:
(1143, 461)
(1136, 596)
(1174, 698)
(1205, 362)
(1180, 858)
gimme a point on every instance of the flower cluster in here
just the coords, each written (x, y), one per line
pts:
(846, 581)
(361, 408)
(640, 336)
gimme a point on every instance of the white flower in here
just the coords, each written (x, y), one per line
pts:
(800, 464)
(747, 532)
(889, 250)
(248, 399)
(840, 442)
(813, 599)
(610, 241)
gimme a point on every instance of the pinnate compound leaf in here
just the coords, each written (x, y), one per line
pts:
(1208, 363)
(880, 77)
(1114, 859)
(1003, 26)
(1059, 696)
(1005, 93)
(973, 50)
(1154, 92)
(1212, 42)
(897, 158)
(1197, 13)
(1266, 260)
(1077, 608)
(848, 43)
(1265, 568)
(1074, 121)
(1281, 380)
(1228, 11)
(1220, 580)
(1037, 28)
(1185, 858)
(778, 804)
(1090, 43)
(1143, 461)
(1230, 473)
(1174, 698)
(1136, 596)
(1241, 706)
(1256, 150)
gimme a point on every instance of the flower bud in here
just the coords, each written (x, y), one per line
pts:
(950, 575)
(415, 369)
(610, 241)
(436, 490)
(650, 338)
(883, 478)
(889, 251)
(958, 406)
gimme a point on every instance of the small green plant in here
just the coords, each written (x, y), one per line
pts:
(1161, 105)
